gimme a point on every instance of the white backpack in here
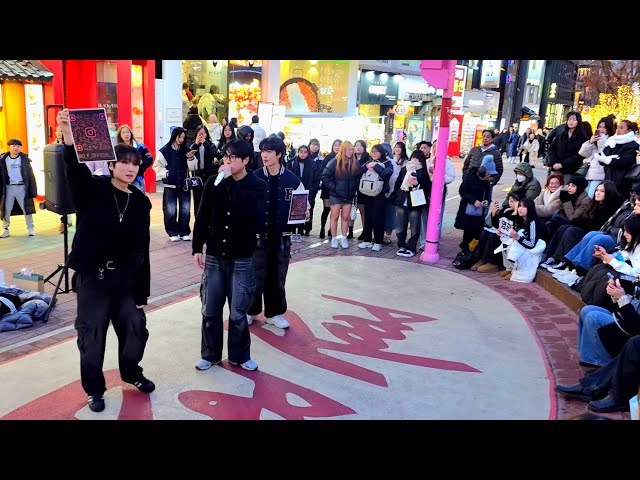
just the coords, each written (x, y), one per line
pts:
(371, 184)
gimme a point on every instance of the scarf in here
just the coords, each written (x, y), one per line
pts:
(614, 140)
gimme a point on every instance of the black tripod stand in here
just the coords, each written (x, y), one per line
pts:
(62, 268)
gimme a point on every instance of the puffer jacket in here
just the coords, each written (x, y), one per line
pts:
(342, 186)
(531, 186)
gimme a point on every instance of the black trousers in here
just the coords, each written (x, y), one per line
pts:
(486, 245)
(553, 225)
(570, 238)
(99, 302)
(621, 376)
(374, 216)
(304, 228)
(467, 237)
(271, 264)
(197, 192)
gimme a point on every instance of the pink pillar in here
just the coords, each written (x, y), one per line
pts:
(439, 74)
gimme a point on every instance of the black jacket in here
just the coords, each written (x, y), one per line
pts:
(400, 196)
(472, 189)
(227, 217)
(100, 236)
(343, 186)
(211, 162)
(310, 176)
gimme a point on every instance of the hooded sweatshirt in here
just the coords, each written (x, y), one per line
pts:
(530, 187)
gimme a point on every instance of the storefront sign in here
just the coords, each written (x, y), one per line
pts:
(174, 115)
(455, 135)
(34, 109)
(490, 74)
(458, 89)
(378, 88)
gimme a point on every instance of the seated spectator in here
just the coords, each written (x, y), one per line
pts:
(524, 253)
(608, 236)
(604, 204)
(626, 261)
(591, 348)
(487, 259)
(525, 182)
(610, 387)
(548, 202)
(574, 203)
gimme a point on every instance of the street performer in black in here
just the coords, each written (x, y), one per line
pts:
(110, 253)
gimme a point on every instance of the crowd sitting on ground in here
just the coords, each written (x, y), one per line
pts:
(586, 233)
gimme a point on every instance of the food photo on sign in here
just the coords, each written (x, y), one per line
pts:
(299, 95)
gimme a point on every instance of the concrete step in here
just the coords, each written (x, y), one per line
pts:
(562, 292)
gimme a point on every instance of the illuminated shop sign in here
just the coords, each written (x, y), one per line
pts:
(379, 88)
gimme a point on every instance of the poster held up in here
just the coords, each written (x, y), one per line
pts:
(298, 208)
(91, 137)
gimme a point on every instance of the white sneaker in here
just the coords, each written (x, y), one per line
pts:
(206, 364)
(365, 245)
(334, 242)
(251, 318)
(562, 273)
(186, 238)
(277, 321)
(175, 238)
(248, 365)
(345, 242)
(32, 233)
(6, 234)
(376, 247)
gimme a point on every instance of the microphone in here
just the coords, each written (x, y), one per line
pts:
(219, 179)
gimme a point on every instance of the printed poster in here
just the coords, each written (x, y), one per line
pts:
(91, 137)
(298, 209)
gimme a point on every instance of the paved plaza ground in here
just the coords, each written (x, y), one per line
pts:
(372, 336)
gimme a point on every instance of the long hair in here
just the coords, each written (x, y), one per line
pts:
(531, 208)
(631, 226)
(119, 134)
(175, 133)
(611, 199)
(346, 165)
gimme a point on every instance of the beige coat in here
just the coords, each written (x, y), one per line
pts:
(548, 203)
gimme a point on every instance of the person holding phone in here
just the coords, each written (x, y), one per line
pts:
(594, 169)
(203, 162)
(171, 167)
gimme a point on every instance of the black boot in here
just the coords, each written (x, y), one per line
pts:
(361, 237)
(350, 234)
(321, 232)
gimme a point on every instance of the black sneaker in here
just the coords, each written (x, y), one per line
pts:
(145, 385)
(96, 403)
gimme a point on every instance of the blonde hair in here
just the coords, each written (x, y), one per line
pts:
(343, 164)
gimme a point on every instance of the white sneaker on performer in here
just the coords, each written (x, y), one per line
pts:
(365, 245)
(251, 318)
(277, 321)
(376, 247)
(175, 238)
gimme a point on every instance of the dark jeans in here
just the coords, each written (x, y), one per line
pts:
(271, 262)
(556, 239)
(374, 216)
(176, 206)
(621, 376)
(101, 301)
(404, 217)
(232, 280)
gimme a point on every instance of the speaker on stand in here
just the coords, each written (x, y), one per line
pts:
(57, 200)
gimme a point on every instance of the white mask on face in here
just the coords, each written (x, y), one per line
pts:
(521, 178)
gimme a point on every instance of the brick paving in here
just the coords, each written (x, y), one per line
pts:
(175, 278)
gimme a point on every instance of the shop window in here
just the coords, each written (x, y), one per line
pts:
(107, 78)
(245, 90)
(201, 75)
(309, 86)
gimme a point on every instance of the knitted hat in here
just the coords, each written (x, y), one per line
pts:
(488, 165)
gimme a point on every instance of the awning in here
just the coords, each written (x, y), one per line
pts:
(21, 70)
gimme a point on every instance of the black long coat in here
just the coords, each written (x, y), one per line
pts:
(472, 189)
(29, 184)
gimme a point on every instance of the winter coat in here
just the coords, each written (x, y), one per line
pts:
(548, 203)
(619, 167)
(573, 211)
(401, 196)
(30, 187)
(531, 148)
(475, 156)
(342, 186)
(472, 189)
(589, 150)
(309, 177)
(564, 150)
(531, 186)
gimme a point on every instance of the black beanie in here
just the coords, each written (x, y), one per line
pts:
(580, 182)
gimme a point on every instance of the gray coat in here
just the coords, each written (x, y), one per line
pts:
(29, 184)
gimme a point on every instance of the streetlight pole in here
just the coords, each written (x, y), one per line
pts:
(439, 74)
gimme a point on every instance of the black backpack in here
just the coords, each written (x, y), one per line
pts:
(464, 261)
